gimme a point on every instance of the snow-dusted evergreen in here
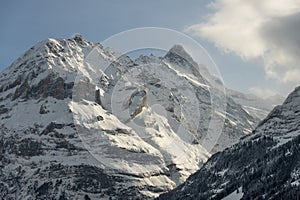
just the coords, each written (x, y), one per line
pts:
(53, 103)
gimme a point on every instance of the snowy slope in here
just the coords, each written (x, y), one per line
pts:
(257, 107)
(264, 165)
(78, 121)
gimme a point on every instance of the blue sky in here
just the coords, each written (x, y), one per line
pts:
(24, 23)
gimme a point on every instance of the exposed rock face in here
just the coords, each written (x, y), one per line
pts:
(45, 109)
(47, 87)
(137, 101)
(264, 165)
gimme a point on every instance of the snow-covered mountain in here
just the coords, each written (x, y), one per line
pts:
(257, 107)
(264, 165)
(79, 121)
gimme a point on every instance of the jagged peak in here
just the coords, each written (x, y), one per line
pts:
(178, 48)
(180, 51)
(181, 58)
(52, 46)
(79, 39)
(61, 42)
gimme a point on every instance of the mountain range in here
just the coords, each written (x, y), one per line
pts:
(82, 121)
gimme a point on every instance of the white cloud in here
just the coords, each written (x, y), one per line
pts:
(257, 29)
(262, 92)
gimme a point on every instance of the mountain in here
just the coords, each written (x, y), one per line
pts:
(257, 107)
(80, 121)
(264, 165)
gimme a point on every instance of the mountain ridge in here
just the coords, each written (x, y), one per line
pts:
(44, 102)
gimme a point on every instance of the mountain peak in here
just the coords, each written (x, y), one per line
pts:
(179, 50)
(80, 39)
(181, 58)
(179, 53)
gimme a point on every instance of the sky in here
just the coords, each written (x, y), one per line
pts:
(254, 43)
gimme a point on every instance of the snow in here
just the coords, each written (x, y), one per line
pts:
(27, 113)
(154, 141)
(162, 133)
(256, 112)
(189, 77)
(163, 144)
